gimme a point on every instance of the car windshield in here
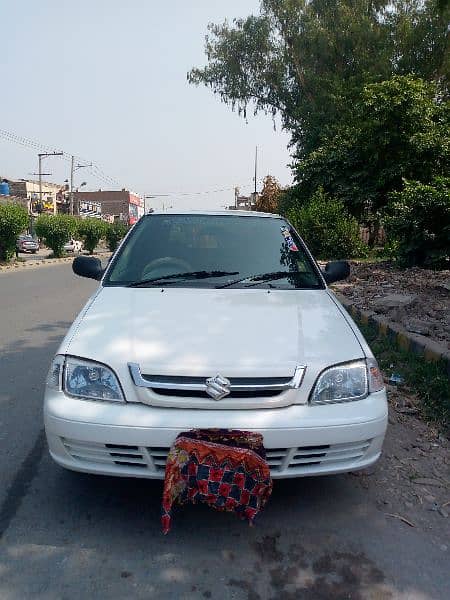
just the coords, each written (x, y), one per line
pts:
(213, 251)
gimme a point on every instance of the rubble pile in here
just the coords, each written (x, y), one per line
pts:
(418, 299)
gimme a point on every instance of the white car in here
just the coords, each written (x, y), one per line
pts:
(73, 246)
(215, 319)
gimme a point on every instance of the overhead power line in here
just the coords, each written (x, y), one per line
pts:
(95, 170)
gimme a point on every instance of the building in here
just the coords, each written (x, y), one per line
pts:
(53, 195)
(121, 205)
(244, 202)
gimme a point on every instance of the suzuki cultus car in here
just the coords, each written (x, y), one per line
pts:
(214, 319)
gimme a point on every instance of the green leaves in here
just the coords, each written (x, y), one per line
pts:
(399, 130)
(307, 61)
(327, 228)
(362, 86)
(114, 233)
(56, 230)
(91, 231)
(13, 220)
(418, 222)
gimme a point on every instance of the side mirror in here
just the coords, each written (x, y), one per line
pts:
(84, 266)
(336, 270)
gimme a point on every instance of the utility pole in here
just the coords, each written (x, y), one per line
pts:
(40, 156)
(72, 165)
(74, 168)
(256, 164)
(255, 178)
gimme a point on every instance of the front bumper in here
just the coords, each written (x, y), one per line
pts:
(132, 440)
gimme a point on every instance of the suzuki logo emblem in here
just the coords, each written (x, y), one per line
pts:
(218, 387)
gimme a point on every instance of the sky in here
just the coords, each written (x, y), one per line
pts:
(105, 80)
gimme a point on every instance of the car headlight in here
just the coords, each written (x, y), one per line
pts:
(347, 382)
(84, 379)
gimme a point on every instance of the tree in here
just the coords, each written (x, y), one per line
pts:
(91, 232)
(327, 228)
(114, 233)
(56, 230)
(399, 131)
(268, 199)
(13, 220)
(418, 223)
(306, 60)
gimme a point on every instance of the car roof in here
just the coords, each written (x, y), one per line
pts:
(224, 213)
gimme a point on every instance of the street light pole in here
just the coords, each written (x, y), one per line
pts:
(40, 156)
(40, 181)
(74, 168)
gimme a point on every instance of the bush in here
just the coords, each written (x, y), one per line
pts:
(91, 231)
(114, 233)
(417, 223)
(327, 228)
(56, 230)
(13, 220)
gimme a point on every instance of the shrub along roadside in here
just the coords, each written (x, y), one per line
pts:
(13, 220)
(114, 233)
(56, 230)
(429, 380)
(417, 223)
(328, 229)
(91, 231)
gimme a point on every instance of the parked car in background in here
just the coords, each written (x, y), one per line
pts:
(27, 243)
(246, 335)
(73, 246)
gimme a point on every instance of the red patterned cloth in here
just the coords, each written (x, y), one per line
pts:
(223, 468)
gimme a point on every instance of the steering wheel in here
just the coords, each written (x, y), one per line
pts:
(167, 265)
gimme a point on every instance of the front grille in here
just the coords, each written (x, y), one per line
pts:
(232, 394)
(170, 389)
(260, 385)
(294, 461)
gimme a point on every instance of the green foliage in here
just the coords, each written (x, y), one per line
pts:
(114, 233)
(327, 228)
(418, 222)
(55, 230)
(429, 380)
(399, 130)
(91, 231)
(307, 60)
(13, 220)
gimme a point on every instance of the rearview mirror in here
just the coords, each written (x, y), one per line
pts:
(85, 266)
(336, 270)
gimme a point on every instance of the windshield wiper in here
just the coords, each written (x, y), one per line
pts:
(262, 278)
(176, 276)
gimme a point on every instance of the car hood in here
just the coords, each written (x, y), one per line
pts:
(200, 332)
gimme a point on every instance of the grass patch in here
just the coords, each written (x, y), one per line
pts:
(429, 380)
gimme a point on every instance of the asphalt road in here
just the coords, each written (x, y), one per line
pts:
(68, 536)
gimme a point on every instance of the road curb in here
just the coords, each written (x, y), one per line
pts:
(418, 344)
(42, 263)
